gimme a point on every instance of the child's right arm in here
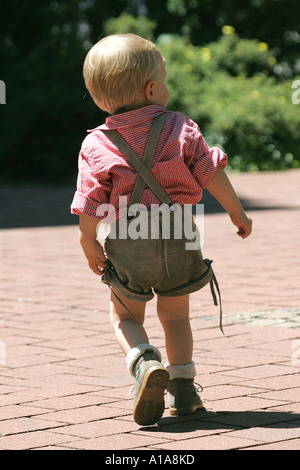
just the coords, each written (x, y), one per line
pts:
(221, 188)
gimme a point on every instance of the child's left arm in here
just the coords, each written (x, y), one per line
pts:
(90, 245)
(221, 188)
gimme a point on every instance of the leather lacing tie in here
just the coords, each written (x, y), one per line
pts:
(213, 284)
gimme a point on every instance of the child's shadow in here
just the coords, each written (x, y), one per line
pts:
(207, 420)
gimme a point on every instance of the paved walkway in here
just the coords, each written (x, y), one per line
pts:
(63, 380)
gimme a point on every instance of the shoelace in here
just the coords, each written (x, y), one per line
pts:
(200, 389)
(132, 388)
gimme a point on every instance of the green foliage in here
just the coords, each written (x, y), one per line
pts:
(230, 90)
(236, 86)
(240, 56)
(126, 23)
(273, 21)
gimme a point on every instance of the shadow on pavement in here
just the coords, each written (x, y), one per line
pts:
(50, 206)
(231, 419)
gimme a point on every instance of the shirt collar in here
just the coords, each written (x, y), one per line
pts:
(130, 118)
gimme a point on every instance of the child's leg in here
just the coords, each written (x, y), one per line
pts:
(129, 332)
(142, 360)
(173, 313)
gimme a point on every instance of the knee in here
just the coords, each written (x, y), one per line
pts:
(172, 308)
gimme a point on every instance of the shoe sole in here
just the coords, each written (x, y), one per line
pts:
(185, 411)
(150, 404)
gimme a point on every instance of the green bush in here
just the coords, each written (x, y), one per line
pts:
(126, 23)
(230, 90)
(227, 86)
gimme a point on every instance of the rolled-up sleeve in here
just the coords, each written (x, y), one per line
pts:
(202, 160)
(93, 187)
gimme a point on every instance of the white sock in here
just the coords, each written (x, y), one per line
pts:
(136, 352)
(182, 371)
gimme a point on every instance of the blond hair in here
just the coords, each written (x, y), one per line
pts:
(117, 67)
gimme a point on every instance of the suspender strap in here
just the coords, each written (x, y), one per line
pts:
(142, 166)
(149, 152)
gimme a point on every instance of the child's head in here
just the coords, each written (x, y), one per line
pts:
(118, 69)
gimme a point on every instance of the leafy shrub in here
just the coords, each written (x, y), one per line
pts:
(126, 23)
(230, 90)
(229, 87)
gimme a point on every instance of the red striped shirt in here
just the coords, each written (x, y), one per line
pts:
(183, 162)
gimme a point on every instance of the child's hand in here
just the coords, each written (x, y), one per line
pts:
(243, 223)
(95, 256)
(91, 247)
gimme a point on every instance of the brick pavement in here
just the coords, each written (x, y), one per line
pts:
(63, 381)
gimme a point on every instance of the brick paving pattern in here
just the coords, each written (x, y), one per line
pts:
(63, 380)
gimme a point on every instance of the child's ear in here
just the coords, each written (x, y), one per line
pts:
(149, 92)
